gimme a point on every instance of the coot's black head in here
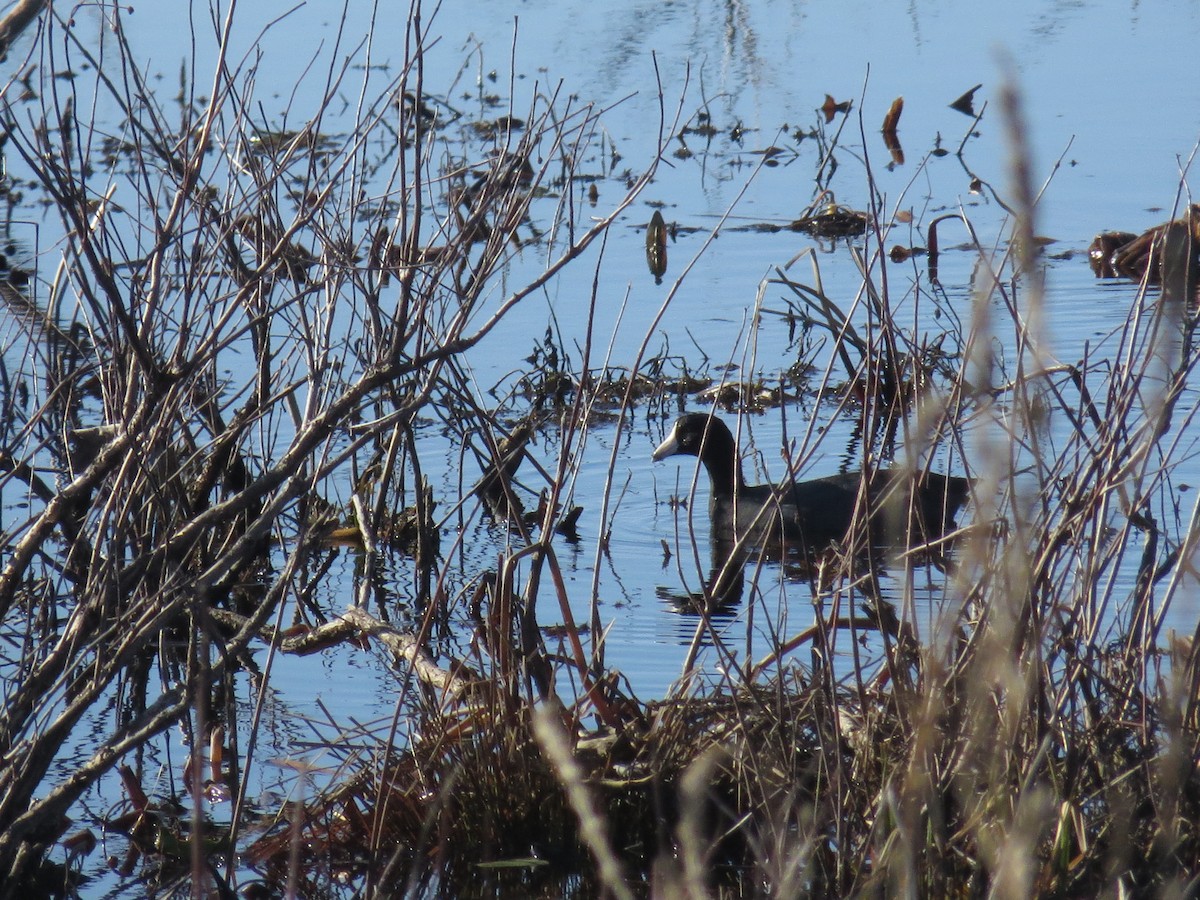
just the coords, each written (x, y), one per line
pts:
(706, 436)
(698, 434)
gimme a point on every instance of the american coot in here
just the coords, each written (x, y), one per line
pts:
(811, 513)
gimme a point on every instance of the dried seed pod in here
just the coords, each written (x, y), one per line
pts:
(656, 246)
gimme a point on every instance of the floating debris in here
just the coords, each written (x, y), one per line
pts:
(833, 222)
(656, 246)
(832, 107)
(891, 137)
(1102, 252)
(504, 125)
(704, 127)
(397, 531)
(1122, 254)
(567, 523)
(900, 253)
(966, 103)
(269, 142)
(495, 487)
(744, 396)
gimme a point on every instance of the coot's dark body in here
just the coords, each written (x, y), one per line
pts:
(812, 513)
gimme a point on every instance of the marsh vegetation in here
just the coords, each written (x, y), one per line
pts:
(242, 344)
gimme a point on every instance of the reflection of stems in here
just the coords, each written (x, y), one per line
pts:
(967, 136)
(971, 175)
(808, 634)
(827, 158)
(836, 321)
(931, 241)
